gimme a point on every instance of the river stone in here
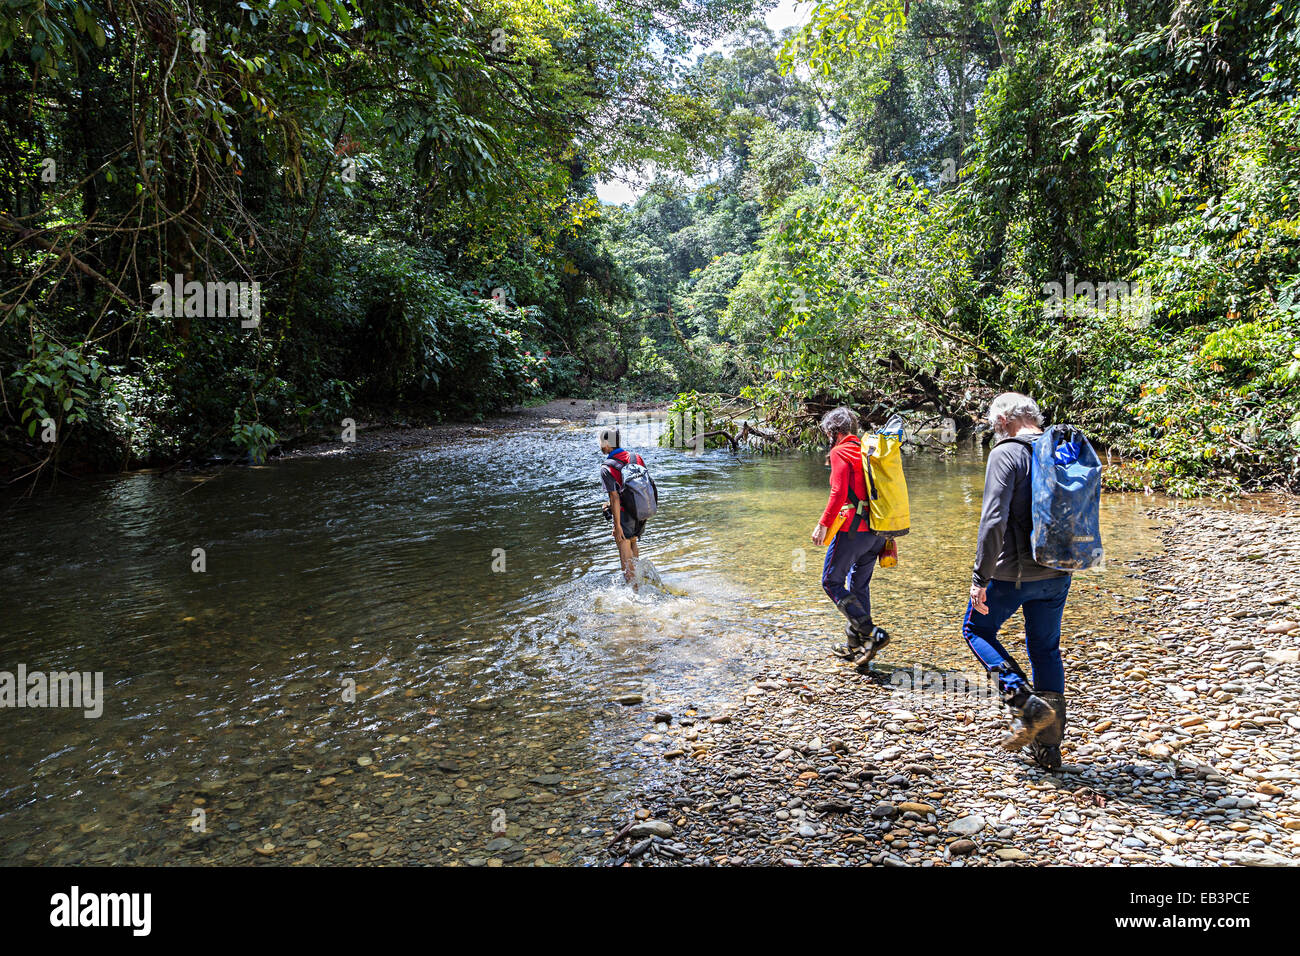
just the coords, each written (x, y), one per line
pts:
(651, 828)
(967, 826)
(962, 847)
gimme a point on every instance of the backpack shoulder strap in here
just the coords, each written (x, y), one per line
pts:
(1021, 441)
(619, 466)
(1020, 557)
(858, 503)
(615, 469)
(1018, 441)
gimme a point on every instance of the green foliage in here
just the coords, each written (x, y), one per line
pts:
(1249, 346)
(691, 417)
(253, 438)
(1092, 204)
(386, 318)
(411, 184)
(839, 31)
(779, 165)
(56, 384)
(898, 205)
(649, 373)
(685, 250)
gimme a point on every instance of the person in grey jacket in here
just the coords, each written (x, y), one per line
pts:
(1006, 578)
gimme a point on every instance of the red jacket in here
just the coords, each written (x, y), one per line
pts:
(846, 466)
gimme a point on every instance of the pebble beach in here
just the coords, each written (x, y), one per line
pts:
(1182, 748)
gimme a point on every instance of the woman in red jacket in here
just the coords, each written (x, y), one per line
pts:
(851, 557)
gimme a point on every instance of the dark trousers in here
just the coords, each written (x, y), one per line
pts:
(850, 559)
(1043, 602)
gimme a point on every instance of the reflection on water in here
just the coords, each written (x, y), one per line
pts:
(415, 657)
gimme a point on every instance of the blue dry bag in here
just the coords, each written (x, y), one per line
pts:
(1066, 484)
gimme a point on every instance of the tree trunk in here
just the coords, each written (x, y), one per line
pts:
(999, 31)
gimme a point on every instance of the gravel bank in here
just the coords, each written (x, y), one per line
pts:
(1183, 746)
(395, 435)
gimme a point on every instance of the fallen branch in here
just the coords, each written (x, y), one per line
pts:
(728, 437)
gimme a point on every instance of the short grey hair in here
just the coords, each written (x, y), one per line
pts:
(1013, 406)
(609, 437)
(840, 421)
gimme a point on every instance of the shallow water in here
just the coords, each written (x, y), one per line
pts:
(471, 595)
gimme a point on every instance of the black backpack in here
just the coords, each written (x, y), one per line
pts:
(638, 496)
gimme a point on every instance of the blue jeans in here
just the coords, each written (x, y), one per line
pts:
(850, 559)
(1043, 602)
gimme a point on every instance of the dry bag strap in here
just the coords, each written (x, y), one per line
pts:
(866, 471)
(858, 522)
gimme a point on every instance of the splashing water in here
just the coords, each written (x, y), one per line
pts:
(645, 574)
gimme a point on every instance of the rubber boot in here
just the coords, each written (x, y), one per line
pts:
(1046, 747)
(878, 638)
(857, 631)
(1033, 716)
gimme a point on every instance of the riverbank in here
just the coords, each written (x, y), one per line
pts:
(372, 432)
(376, 435)
(1183, 745)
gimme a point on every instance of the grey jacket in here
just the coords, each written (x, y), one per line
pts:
(1003, 551)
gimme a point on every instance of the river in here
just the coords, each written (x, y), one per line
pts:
(415, 657)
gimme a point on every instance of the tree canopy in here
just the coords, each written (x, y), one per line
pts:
(896, 205)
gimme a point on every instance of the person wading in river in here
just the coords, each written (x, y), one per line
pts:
(1006, 578)
(633, 497)
(852, 554)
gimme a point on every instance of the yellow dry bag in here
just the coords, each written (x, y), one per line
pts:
(882, 463)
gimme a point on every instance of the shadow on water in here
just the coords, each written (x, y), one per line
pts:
(426, 647)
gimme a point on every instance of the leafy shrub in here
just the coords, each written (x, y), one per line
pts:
(691, 415)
